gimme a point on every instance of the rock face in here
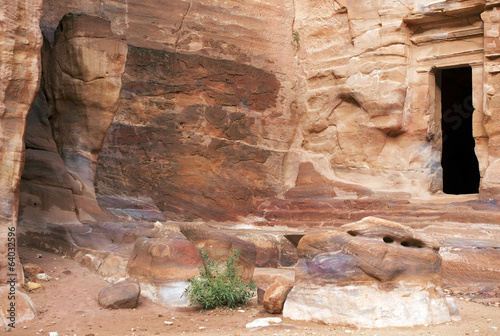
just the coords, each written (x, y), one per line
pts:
(198, 137)
(372, 273)
(121, 295)
(226, 105)
(201, 108)
(69, 120)
(20, 43)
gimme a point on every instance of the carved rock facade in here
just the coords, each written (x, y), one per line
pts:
(226, 111)
(224, 106)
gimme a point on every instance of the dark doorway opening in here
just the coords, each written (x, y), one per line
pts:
(459, 161)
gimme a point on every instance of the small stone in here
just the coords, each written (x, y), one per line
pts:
(241, 310)
(43, 276)
(38, 255)
(263, 322)
(494, 328)
(31, 271)
(123, 294)
(168, 322)
(53, 333)
(275, 296)
(33, 285)
(201, 328)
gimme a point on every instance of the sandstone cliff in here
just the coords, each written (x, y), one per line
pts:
(271, 112)
(222, 104)
(20, 43)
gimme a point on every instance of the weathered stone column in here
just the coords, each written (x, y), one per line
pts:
(20, 43)
(85, 74)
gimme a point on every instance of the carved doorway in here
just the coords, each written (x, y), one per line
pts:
(458, 158)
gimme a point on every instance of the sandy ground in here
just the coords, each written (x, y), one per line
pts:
(67, 304)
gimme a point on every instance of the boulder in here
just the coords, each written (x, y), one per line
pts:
(123, 294)
(159, 260)
(163, 265)
(272, 248)
(219, 246)
(31, 286)
(275, 295)
(372, 273)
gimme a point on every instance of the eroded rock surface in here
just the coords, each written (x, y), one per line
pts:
(194, 123)
(371, 250)
(372, 273)
(69, 120)
(20, 67)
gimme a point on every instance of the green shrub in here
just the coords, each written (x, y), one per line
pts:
(219, 285)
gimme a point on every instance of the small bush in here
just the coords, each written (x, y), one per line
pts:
(219, 285)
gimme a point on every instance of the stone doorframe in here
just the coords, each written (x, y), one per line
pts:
(438, 43)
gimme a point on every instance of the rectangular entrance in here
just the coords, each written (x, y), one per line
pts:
(458, 159)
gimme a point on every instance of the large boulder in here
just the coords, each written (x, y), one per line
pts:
(163, 264)
(220, 246)
(159, 260)
(372, 273)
